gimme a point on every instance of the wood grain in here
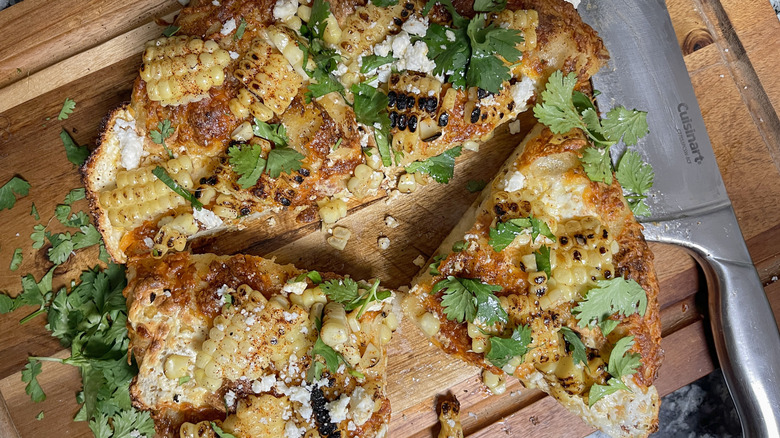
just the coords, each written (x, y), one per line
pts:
(91, 55)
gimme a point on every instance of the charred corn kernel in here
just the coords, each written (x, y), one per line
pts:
(367, 26)
(429, 324)
(335, 330)
(406, 183)
(182, 69)
(495, 383)
(268, 74)
(570, 376)
(176, 366)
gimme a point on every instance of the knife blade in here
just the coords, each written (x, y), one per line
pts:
(689, 204)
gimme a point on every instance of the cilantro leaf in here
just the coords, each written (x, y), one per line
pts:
(504, 232)
(30, 376)
(14, 186)
(87, 237)
(67, 108)
(631, 125)
(636, 177)
(502, 350)
(621, 364)
(39, 417)
(129, 420)
(542, 256)
(320, 10)
(163, 131)
(240, 30)
(328, 353)
(76, 154)
(74, 195)
(61, 247)
(170, 30)
(7, 304)
(489, 5)
(341, 291)
(163, 176)
(615, 296)
(221, 433)
(451, 55)
(38, 236)
(325, 83)
(276, 133)
(556, 109)
(579, 354)
(283, 160)
(314, 276)
(16, 259)
(100, 428)
(469, 299)
(597, 164)
(371, 110)
(459, 246)
(433, 268)
(247, 163)
(441, 167)
(34, 212)
(373, 62)
(485, 70)
(384, 3)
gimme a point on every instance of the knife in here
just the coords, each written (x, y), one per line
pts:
(689, 203)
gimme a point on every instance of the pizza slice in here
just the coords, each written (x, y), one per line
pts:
(289, 111)
(252, 348)
(549, 279)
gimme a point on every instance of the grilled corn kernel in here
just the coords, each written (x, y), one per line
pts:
(429, 324)
(176, 366)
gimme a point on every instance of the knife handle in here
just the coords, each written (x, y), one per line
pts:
(746, 337)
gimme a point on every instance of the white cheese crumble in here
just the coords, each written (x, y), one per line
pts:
(521, 92)
(228, 27)
(285, 9)
(215, 2)
(131, 145)
(574, 3)
(148, 242)
(514, 126)
(361, 405)
(264, 385)
(338, 409)
(391, 222)
(419, 261)
(383, 242)
(302, 395)
(233, 55)
(514, 181)
(207, 218)
(296, 288)
(293, 431)
(230, 399)
(221, 292)
(408, 56)
(450, 35)
(416, 25)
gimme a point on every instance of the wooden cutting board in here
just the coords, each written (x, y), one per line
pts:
(89, 50)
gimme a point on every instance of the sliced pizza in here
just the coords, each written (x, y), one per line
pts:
(254, 108)
(254, 348)
(549, 279)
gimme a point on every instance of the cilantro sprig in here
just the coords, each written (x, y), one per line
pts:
(281, 159)
(371, 110)
(248, 163)
(562, 108)
(76, 154)
(621, 364)
(325, 59)
(163, 131)
(609, 297)
(441, 167)
(470, 60)
(469, 299)
(504, 233)
(347, 292)
(579, 352)
(502, 350)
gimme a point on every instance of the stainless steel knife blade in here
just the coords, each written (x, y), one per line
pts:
(689, 203)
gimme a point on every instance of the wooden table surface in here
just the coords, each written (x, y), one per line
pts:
(89, 50)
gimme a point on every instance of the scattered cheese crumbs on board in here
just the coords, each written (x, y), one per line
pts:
(383, 242)
(391, 222)
(419, 261)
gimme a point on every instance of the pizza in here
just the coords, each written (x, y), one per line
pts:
(275, 110)
(256, 348)
(549, 279)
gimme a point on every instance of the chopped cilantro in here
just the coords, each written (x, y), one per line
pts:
(74, 195)
(489, 5)
(502, 350)
(276, 133)
(373, 62)
(474, 186)
(441, 167)
(8, 192)
(371, 110)
(16, 259)
(542, 256)
(384, 3)
(30, 376)
(347, 292)
(504, 232)
(459, 246)
(221, 433)
(170, 31)
(67, 108)
(283, 160)
(433, 268)
(34, 212)
(240, 31)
